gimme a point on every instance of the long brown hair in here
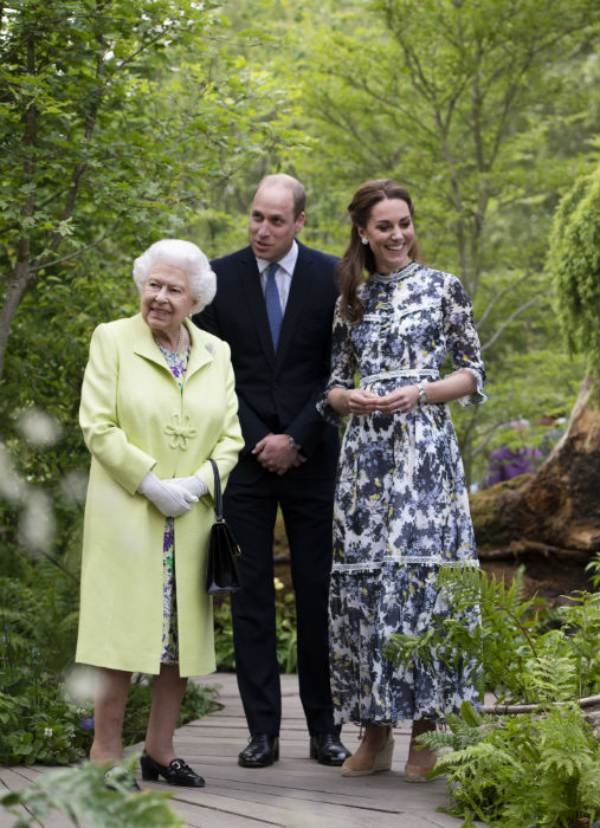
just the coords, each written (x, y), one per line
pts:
(358, 256)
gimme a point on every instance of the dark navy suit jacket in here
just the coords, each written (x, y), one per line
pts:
(277, 391)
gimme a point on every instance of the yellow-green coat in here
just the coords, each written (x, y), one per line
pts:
(134, 420)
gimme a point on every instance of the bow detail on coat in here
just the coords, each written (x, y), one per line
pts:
(180, 431)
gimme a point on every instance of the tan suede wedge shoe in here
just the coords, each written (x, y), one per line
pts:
(417, 771)
(381, 761)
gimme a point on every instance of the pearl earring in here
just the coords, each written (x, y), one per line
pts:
(363, 240)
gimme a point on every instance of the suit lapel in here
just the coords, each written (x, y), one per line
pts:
(295, 303)
(255, 304)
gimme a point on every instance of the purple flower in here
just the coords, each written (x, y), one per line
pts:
(87, 723)
(505, 463)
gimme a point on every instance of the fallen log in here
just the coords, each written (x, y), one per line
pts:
(548, 521)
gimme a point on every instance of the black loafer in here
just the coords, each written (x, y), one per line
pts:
(327, 749)
(262, 750)
(176, 772)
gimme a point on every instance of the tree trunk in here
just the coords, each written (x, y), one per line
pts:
(548, 521)
(18, 286)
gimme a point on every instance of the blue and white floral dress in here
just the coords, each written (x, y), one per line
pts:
(401, 506)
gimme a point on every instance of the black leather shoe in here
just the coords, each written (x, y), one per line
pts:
(262, 750)
(327, 749)
(176, 772)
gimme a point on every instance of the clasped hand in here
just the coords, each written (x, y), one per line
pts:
(275, 454)
(172, 497)
(363, 402)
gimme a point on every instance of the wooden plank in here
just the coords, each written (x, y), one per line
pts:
(13, 779)
(282, 811)
(10, 781)
(199, 816)
(16, 778)
(296, 792)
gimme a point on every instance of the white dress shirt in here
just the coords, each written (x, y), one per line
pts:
(283, 276)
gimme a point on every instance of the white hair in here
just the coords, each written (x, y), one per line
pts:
(189, 258)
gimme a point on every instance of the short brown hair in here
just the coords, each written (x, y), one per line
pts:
(297, 189)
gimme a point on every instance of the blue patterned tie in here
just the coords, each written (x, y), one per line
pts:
(273, 303)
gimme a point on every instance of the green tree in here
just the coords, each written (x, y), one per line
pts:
(484, 109)
(555, 512)
(120, 120)
(71, 79)
(574, 264)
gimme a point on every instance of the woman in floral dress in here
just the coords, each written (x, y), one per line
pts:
(401, 509)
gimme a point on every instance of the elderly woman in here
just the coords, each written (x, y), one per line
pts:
(157, 402)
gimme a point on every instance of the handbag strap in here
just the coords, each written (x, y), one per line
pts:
(218, 496)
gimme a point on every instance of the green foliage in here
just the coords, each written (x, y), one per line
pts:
(468, 103)
(38, 622)
(574, 264)
(80, 794)
(224, 649)
(38, 723)
(528, 652)
(285, 619)
(486, 111)
(523, 387)
(39, 727)
(502, 642)
(521, 772)
(529, 770)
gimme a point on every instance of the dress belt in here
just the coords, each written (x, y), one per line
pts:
(405, 372)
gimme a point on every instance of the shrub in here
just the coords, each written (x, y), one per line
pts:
(285, 619)
(81, 795)
(528, 770)
(38, 724)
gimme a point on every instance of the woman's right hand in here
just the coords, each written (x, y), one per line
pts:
(353, 401)
(169, 496)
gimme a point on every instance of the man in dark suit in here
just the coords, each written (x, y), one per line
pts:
(274, 306)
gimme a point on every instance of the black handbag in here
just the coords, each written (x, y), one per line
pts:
(223, 549)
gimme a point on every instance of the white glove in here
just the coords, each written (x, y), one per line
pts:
(170, 498)
(192, 484)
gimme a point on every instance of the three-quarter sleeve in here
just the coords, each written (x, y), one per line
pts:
(462, 341)
(343, 364)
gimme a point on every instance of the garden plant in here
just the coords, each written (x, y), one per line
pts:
(541, 766)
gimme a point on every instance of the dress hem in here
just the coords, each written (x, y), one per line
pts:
(431, 561)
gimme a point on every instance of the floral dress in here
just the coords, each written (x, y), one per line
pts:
(401, 508)
(177, 364)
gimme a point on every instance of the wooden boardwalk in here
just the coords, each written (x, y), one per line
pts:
(294, 793)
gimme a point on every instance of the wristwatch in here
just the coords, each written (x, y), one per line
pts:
(293, 443)
(422, 395)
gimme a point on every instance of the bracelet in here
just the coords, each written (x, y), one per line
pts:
(422, 395)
